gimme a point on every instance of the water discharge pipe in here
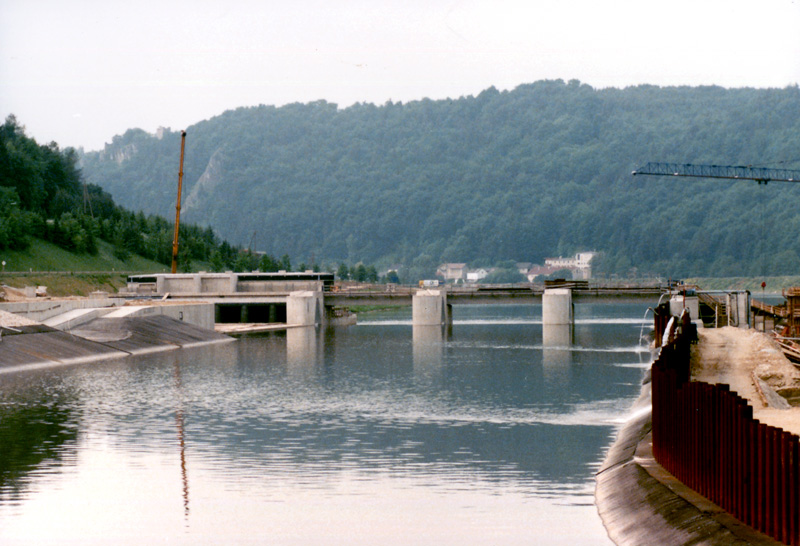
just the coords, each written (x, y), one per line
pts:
(178, 208)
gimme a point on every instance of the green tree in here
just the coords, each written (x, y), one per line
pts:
(245, 261)
(184, 259)
(524, 174)
(14, 223)
(392, 277)
(359, 272)
(268, 264)
(504, 275)
(218, 262)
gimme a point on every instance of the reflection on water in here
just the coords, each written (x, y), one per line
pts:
(557, 352)
(301, 346)
(376, 434)
(428, 345)
(180, 425)
(34, 439)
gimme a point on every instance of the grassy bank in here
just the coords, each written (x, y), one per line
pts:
(774, 284)
(67, 274)
(42, 256)
(67, 284)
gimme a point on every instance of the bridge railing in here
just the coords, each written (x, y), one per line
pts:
(706, 436)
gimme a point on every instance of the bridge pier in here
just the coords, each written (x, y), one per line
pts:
(557, 307)
(304, 308)
(430, 308)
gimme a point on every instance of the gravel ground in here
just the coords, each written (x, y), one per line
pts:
(741, 358)
(11, 320)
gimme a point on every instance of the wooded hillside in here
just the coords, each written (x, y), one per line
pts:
(43, 196)
(542, 170)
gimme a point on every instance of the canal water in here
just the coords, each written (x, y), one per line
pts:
(488, 432)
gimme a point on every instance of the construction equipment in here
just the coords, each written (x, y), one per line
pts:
(178, 208)
(759, 174)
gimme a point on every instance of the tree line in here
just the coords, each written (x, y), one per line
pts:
(43, 195)
(539, 171)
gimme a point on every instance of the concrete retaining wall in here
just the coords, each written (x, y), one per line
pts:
(41, 310)
(198, 314)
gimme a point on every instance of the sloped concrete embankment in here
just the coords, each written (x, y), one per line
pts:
(641, 504)
(31, 345)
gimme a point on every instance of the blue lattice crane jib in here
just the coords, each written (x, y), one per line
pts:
(760, 174)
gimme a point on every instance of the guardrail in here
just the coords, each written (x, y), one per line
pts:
(706, 436)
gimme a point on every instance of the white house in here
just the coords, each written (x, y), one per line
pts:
(580, 264)
(477, 275)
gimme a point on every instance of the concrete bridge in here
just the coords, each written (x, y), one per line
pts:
(310, 298)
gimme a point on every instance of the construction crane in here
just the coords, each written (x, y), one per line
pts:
(178, 208)
(760, 174)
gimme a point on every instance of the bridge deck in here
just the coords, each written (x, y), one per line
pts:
(489, 296)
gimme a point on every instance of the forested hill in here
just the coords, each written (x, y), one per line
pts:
(539, 171)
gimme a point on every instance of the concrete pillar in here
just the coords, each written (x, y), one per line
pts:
(161, 284)
(679, 301)
(739, 309)
(303, 308)
(234, 283)
(429, 308)
(557, 306)
(198, 283)
(273, 313)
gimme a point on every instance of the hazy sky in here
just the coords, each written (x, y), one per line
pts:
(81, 71)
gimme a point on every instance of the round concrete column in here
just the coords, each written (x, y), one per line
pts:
(557, 306)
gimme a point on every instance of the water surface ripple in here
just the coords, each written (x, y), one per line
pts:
(383, 433)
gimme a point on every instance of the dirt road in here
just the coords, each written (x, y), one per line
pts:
(753, 365)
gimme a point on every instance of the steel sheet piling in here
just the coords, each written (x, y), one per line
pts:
(706, 436)
(785, 516)
(794, 491)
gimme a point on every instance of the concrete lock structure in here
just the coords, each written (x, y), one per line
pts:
(430, 308)
(557, 306)
(679, 302)
(739, 306)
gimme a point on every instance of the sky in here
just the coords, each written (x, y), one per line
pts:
(79, 72)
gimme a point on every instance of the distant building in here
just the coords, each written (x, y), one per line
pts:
(524, 267)
(477, 275)
(580, 264)
(540, 270)
(452, 272)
